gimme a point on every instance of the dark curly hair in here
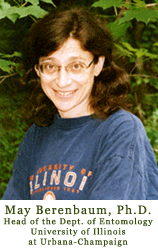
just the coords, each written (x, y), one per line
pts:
(110, 88)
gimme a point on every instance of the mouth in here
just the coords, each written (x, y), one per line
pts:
(65, 94)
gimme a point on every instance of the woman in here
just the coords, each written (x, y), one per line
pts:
(83, 145)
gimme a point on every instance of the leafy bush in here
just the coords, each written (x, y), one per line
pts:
(12, 130)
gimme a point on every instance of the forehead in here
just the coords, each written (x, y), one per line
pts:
(70, 49)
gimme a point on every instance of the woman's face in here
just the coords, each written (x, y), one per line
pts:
(68, 77)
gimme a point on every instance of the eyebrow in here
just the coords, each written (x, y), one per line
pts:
(54, 59)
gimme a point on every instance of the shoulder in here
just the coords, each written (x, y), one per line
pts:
(29, 138)
(122, 121)
(35, 131)
(122, 116)
(120, 133)
(31, 133)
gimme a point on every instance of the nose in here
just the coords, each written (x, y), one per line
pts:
(63, 78)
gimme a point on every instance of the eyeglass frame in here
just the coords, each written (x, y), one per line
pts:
(59, 67)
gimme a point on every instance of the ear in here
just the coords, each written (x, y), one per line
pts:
(99, 65)
(37, 70)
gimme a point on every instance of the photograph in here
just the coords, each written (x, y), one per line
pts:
(79, 100)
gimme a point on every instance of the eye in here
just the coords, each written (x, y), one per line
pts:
(76, 67)
(50, 66)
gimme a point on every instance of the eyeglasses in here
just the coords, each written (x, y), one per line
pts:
(74, 69)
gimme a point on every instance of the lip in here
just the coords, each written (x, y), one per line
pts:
(65, 94)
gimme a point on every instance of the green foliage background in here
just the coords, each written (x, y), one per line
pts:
(134, 27)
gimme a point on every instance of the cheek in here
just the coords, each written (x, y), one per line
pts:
(46, 85)
(47, 89)
(89, 82)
